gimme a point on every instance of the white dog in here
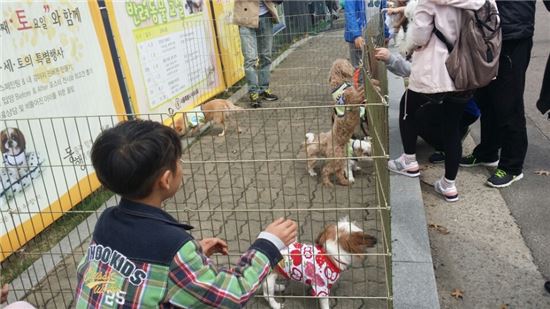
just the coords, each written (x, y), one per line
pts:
(356, 148)
(359, 148)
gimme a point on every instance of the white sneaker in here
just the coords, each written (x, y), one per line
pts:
(401, 166)
(450, 194)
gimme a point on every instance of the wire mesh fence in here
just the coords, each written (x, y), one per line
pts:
(234, 185)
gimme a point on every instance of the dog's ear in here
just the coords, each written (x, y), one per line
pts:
(179, 125)
(329, 233)
(356, 242)
(21, 143)
(3, 140)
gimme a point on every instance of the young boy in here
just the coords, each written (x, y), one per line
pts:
(140, 256)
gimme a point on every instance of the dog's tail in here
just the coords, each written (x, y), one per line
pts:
(230, 106)
(310, 137)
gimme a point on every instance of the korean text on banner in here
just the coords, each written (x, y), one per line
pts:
(168, 53)
(56, 67)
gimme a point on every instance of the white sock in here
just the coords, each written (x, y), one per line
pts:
(446, 183)
(409, 158)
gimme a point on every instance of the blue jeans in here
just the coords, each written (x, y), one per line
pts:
(257, 43)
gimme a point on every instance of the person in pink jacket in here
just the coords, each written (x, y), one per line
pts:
(430, 83)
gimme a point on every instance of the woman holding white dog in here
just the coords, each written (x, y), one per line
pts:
(430, 83)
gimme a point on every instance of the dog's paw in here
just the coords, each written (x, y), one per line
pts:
(275, 305)
(312, 173)
(356, 168)
(345, 182)
(351, 180)
(280, 287)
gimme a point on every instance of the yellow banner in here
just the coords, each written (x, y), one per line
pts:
(228, 41)
(168, 53)
(55, 63)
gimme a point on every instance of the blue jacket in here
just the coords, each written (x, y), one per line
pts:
(356, 19)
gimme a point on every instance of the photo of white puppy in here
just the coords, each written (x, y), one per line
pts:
(20, 166)
(13, 150)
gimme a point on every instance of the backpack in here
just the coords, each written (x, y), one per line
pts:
(473, 60)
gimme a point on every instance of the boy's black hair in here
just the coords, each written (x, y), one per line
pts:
(129, 157)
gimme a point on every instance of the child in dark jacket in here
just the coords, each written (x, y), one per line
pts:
(140, 256)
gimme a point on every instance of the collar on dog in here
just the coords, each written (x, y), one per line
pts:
(340, 262)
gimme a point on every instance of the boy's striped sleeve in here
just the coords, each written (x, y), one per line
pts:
(194, 282)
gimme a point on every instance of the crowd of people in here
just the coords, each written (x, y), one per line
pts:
(433, 108)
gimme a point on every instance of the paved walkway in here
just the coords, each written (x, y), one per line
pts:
(497, 250)
(236, 184)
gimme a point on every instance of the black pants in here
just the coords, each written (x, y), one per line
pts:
(502, 109)
(452, 106)
(543, 104)
(429, 125)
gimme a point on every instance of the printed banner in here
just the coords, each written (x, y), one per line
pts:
(229, 41)
(55, 65)
(168, 53)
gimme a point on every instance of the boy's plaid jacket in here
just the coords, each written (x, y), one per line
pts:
(141, 257)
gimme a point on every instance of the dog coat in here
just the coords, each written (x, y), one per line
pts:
(18, 172)
(16, 160)
(310, 265)
(338, 97)
(195, 117)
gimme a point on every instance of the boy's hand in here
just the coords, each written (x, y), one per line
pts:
(285, 229)
(382, 53)
(213, 245)
(359, 42)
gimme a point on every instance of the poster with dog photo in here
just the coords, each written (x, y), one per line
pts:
(57, 76)
(168, 53)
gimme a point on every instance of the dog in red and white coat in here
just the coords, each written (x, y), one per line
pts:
(319, 265)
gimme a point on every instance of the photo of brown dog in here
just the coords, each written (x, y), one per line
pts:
(20, 166)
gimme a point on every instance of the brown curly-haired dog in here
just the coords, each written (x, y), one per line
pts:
(333, 144)
(341, 71)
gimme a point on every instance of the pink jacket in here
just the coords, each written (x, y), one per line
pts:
(428, 71)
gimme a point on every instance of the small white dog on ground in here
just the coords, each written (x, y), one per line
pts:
(359, 148)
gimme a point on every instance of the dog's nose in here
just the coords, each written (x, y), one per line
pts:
(11, 143)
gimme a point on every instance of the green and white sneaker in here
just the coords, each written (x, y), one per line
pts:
(501, 179)
(255, 100)
(471, 161)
